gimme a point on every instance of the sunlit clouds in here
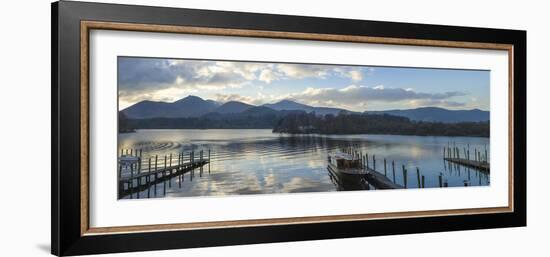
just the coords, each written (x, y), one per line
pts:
(356, 88)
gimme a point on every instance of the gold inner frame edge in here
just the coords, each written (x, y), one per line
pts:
(86, 26)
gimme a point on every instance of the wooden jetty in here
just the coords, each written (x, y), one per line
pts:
(380, 181)
(380, 178)
(136, 174)
(479, 161)
(482, 166)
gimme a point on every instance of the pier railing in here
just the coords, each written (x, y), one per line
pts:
(386, 175)
(479, 161)
(137, 174)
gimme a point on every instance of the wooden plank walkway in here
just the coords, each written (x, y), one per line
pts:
(380, 181)
(145, 180)
(136, 175)
(483, 166)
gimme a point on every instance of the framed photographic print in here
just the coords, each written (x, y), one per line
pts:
(177, 128)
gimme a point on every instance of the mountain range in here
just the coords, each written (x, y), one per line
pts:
(193, 106)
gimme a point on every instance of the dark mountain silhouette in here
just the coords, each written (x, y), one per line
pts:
(193, 106)
(289, 105)
(435, 114)
(190, 106)
(232, 107)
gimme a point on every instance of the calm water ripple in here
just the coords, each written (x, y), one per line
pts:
(260, 162)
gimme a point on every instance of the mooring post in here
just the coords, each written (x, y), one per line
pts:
(156, 176)
(148, 180)
(164, 175)
(170, 172)
(385, 172)
(179, 167)
(120, 184)
(131, 184)
(418, 176)
(367, 157)
(440, 178)
(362, 159)
(200, 170)
(374, 162)
(444, 153)
(393, 170)
(404, 176)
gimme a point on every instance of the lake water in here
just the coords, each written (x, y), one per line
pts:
(262, 162)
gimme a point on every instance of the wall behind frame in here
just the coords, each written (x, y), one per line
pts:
(25, 101)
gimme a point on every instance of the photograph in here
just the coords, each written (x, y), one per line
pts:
(195, 127)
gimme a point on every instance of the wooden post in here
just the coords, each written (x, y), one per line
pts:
(418, 176)
(362, 159)
(200, 163)
(404, 176)
(374, 162)
(446, 183)
(163, 177)
(209, 160)
(465, 183)
(170, 172)
(367, 157)
(440, 178)
(120, 185)
(393, 169)
(385, 172)
(149, 179)
(444, 153)
(121, 152)
(138, 182)
(156, 176)
(131, 184)
(486, 159)
(475, 154)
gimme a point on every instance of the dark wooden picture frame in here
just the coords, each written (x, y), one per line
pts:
(71, 23)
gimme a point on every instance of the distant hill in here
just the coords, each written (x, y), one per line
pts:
(190, 106)
(288, 105)
(232, 107)
(435, 114)
(193, 106)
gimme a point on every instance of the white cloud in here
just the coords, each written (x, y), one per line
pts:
(356, 97)
(356, 75)
(267, 76)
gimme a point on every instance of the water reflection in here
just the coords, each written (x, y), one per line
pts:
(260, 162)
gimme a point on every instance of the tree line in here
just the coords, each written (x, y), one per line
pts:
(300, 123)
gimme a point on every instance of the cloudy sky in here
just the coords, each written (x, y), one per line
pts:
(356, 88)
